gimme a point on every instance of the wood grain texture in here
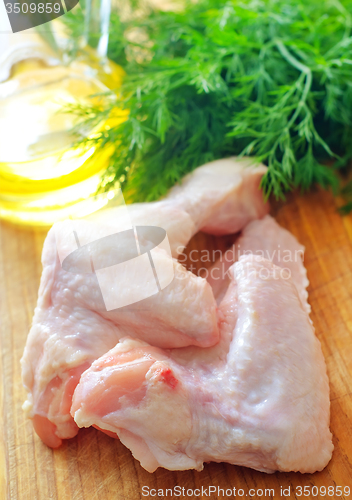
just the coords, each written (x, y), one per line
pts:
(93, 466)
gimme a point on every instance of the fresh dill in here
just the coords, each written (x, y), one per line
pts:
(266, 78)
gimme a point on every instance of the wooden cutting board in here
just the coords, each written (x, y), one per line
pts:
(94, 466)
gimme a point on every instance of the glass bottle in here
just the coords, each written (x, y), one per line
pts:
(42, 177)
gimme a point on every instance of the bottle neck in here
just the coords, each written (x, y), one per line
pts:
(97, 22)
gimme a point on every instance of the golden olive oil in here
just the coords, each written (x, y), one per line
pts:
(42, 177)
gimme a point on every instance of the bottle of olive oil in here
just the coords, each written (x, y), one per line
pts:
(42, 177)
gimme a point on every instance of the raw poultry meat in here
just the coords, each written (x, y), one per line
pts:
(154, 319)
(260, 398)
(220, 197)
(71, 326)
(178, 224)
(267, 239)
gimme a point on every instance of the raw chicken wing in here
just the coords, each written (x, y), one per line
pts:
(260, 398)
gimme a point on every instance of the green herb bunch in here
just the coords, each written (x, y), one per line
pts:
(266, 78)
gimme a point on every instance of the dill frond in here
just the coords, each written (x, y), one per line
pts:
(267, 78)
